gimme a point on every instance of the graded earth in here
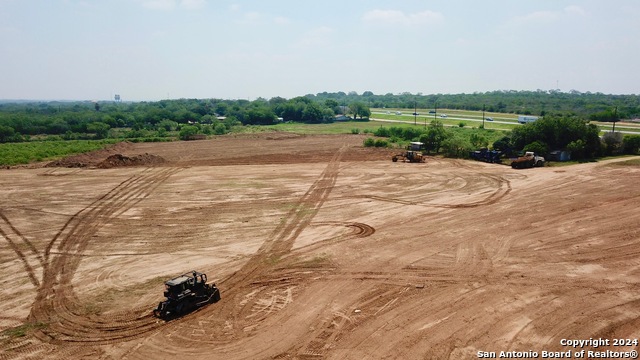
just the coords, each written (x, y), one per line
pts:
(321, 249)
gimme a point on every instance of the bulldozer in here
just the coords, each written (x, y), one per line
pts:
(409, 155)
(185, 293)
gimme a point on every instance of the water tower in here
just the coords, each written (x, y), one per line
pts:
(117, 98)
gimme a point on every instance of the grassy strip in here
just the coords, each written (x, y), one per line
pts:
(22, 330)
(333, 128)
(26, 152)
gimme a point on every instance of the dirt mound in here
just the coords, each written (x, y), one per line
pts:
(119, 160)
(90, 158)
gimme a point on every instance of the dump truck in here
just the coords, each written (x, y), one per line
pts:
(528, 160)
(409, 155)
(185, 293)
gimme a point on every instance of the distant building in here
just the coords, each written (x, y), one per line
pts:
(559, 155)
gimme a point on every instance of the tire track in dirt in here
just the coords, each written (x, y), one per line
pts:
(245, 306)
(502, 189)
(281, 240)
(56, 298)
(28, 268)
(24, 239)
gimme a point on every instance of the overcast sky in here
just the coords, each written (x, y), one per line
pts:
(159, 49)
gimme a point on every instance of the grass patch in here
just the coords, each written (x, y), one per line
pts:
(630, 162)
(26, 152)
(22, 330)
(347, 127)
(272, 259)
(315, 262)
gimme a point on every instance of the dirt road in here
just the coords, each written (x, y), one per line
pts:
(321, 249)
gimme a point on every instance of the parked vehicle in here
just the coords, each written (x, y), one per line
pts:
(486, 155)
(529, 160)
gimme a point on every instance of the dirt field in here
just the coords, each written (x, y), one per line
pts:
(321, 249)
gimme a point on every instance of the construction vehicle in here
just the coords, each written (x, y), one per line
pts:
(528, 160)
(486, 155)
(186, 293)
(410, 155)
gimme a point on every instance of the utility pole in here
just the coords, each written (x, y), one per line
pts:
(483, 116)
(415, 112)
(435, 109)
(615, 118)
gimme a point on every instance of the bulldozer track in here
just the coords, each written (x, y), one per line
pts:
(440, 276)
(28, 267)
(56, 299)
(356, 230)
(242, 302)
(281, 239)
(502, 189)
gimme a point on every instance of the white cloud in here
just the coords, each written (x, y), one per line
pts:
(397, 17)
(192, 4)
(234, 7)
(318, 37)
(575, 10)
(281, 20)
(159, 4)
(535, 17)
(171, 4)
(251, 17)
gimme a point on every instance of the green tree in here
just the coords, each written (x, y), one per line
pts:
(260, 116)
(612, 142)
(220, 129)
(167, 124)
(359, 109)
(456, 145)
(537, 147)
(187, 131)
(576, 148)
(7, 134)
(631, 144)
(478, 140)
(312, 113)
(99, 128)
(434, 136)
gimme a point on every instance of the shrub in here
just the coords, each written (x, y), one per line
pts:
(631, 144)
(369, 142)
(381, 143)
(612, 142)
(382, 132)
(537, 147)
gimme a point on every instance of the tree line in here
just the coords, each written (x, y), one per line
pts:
(95, 120)
(564, 124)
(593, 106)
(553, 132)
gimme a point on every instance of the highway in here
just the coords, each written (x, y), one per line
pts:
(625, 128)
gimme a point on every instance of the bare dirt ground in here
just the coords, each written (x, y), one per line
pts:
(321, 249)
